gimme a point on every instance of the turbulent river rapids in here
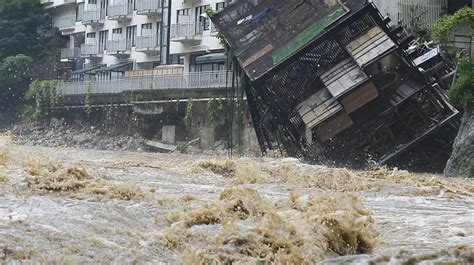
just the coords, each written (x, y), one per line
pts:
(74, 206)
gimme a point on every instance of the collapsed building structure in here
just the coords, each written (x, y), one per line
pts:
(331, 80)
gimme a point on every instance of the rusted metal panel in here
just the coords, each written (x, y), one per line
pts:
(359, 97)
(366, 48)
(318, 108)
(343, 77)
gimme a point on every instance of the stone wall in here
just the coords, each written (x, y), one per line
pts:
(461, 163)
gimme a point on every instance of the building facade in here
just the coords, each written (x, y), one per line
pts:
(110, 37)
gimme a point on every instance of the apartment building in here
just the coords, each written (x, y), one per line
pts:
(110, 37)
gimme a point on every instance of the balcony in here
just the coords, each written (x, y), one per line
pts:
(93, 16)
(187, 82)
(186, 33)
(65, 23)
(148, 44)
(70, 53)
(120, 11)
(90, 50)
(148, 7)
(118, 48)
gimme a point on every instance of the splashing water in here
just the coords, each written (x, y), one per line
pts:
(82, 206)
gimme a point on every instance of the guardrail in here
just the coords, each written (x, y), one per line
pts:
(114, 46)
(201, 80)
(148, 42)
(89, 49)
(121, 9)
(186, 30)
(148, 5)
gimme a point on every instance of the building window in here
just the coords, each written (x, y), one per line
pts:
(91, 35)
(92, 2)
(117, 31)
(204, 21)
(103, 37)
(147, 29)
(182, 13)
(131, 36)
(220, 5)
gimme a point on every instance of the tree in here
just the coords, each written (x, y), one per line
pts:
(461, 94)
(15, 77)
(26, 29)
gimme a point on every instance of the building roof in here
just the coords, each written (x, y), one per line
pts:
(265, 33)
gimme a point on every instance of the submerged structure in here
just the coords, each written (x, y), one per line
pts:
(331, 80)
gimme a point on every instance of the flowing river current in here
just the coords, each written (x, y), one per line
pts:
(72, 206)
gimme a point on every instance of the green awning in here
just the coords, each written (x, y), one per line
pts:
(211, 58)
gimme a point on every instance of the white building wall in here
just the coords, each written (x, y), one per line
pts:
(65, 10)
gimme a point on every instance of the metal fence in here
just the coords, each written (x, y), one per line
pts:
(421, 13)
(201, 80)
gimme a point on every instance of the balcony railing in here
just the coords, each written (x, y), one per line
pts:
(70, 53)
(89, 49)
(65, 22)
(148, 7)
(148, 43)
(186, 31)
(200, 80)
(120, 10)
(93, 15)
(117, 46)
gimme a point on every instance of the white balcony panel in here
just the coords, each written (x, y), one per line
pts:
(120, 11)
(148, 7)
(189, 32)
(117, 46)
(70, 53)
(66, 22)
(89, 49)
(148, 43)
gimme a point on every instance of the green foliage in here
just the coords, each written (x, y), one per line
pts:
(444, 26)
(87, 100)
(214, 109)
(27, 29)
(461, 94)
(44, 96)
(15, 75)
(188, 117)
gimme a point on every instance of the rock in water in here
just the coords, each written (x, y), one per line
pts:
(461, 163)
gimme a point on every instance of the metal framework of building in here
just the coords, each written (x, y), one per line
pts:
(332, 81)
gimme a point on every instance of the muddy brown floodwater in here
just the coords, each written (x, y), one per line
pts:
(71, 206)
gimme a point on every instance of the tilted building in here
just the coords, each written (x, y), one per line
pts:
(332, 80)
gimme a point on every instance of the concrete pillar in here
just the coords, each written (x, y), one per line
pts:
(168, 134)
(187, 62)
(309, 135)
(208, 137)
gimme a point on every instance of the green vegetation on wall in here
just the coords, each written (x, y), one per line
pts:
(461, 94)
(42, 96)
(443, 27)
(188, 117)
